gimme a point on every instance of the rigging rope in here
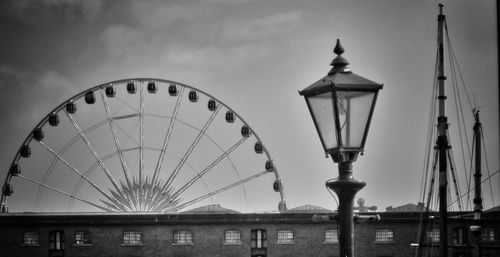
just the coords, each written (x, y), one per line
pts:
(454, 177)
(453, 56)
(459, 92)
(469, 179)
(460, 95)
(462, 128)
(430, 137)
(486, 179)
(467, 96)
(488, 169)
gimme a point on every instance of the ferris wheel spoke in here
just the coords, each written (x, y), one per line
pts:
(99, 184)
(209, 167)
(141, 135)
(184, 205)
(67, 146)
(61, 152)
(126, 116)
(60, 158)
(161, 204)
(51, 168)
(115, 201)
(94, 152)
(88, 172)
(62, 192)
(127, 104)
(197, 129)
(168, 135)
(105, 158)
(115, 137)
(128, 135)
(161, 201)
(192, 147)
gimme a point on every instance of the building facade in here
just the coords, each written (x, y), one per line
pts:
(221, 234)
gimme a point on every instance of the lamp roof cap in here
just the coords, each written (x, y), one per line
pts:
(341, 78)
(339, 63)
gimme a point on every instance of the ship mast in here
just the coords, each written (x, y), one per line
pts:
(442, 141)
(478, 201)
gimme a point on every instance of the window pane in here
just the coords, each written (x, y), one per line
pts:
(433, 236)
(56, 240)
(384, 235)
(459, 236)
(354, 110)
(285, 236)
(232, 237)
(488, 234)
(31, 238)
(259, 238)
(322, 110)
(78, 237)
(331, 236)
(183, 237)
(132, 238)
(82, 237)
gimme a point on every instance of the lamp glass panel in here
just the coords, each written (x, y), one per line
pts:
(323, 114)
(354, 110)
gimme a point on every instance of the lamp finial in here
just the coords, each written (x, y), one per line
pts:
(339, 63)
(338, 48)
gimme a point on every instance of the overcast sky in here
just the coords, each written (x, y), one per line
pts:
(255, 56)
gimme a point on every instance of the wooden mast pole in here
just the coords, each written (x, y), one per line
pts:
(478, 201)
(442, 141)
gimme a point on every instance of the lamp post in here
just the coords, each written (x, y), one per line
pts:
(341, 105)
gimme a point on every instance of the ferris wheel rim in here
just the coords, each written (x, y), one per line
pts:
(60, 108)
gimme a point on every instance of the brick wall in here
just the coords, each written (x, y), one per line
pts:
(208, 235)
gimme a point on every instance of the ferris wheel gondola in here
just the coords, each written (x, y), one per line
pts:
(137, 145)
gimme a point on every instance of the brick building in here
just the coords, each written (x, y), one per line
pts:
(215, 231)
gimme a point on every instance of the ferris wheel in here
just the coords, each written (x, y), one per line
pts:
(141, 145)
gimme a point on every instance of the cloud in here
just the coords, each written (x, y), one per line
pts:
(53, 80)
(204, 38)
(222, 45)
(132, 47)
(122, 41)
(214, 58)
(152, 27)
(27, 96)
(31, 92)
(157, 15)
(90, 8)
(262, 27)
(8, 72)
(14, 78)
(229, 1)
(39, 11)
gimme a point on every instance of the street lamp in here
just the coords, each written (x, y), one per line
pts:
(341, 105)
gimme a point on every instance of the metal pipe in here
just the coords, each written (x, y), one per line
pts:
(346, 187)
